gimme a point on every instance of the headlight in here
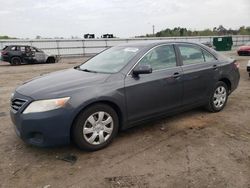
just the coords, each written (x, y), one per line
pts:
(11, 96)
(46, 105)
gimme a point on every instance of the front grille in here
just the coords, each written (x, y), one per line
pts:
(16, 104)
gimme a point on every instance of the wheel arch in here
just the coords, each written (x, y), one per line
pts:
(15, 56)
(112, 104)
(227, 82)
(50, 58)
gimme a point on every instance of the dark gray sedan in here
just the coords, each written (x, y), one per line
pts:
(119, 88)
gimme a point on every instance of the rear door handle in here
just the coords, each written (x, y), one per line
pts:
(176, 75)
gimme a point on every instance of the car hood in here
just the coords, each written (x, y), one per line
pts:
(60, 83)
(244, 48)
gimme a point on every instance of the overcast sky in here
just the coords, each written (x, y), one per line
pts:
(124, 18)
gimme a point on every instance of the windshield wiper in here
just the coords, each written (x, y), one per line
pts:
(86, 70)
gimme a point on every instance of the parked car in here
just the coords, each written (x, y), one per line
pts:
(248, 68)
(120, 88)
(18, 54)
(244, 50)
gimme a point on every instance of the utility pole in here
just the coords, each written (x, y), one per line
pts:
(153, 30)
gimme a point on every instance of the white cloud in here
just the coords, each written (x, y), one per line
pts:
(124, 18)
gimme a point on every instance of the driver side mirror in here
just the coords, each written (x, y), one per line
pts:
(142, 69)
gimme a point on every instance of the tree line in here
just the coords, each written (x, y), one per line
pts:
(180, 31)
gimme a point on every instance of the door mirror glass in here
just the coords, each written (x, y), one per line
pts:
(142, 69)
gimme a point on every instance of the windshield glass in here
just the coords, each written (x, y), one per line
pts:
(111, 60)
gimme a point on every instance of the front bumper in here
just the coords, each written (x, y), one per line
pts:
(43, 129)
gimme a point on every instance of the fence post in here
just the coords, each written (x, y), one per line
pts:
(83, 48)
(106, 43)
(57, 46)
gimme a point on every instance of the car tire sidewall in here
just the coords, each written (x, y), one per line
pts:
(13, 59)
(77, 131)
(212, 107)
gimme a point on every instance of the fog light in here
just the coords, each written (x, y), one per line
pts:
(36, 137)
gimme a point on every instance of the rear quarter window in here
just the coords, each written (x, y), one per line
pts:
(208, 57)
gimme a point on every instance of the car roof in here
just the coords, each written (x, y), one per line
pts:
(18, 45)
(156, 43)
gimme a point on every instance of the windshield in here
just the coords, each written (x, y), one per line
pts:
(111, 60)
(248, 44)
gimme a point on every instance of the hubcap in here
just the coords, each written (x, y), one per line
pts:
(220, 96)
(98, 128)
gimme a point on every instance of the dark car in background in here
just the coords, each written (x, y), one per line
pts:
(18, 54)
(121, 87)
(244, 50)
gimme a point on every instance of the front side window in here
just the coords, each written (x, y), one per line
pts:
(159, 58)
(191, 54)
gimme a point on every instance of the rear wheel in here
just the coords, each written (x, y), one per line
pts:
(15, 61)
(218, 98)
(95, 127)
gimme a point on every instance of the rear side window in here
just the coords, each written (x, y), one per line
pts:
(208, 57)
(191, 54)
(160, 58)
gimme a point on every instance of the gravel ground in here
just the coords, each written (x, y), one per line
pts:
(191, 149)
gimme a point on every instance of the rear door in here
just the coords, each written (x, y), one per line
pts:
(199, 73)
(152, 94)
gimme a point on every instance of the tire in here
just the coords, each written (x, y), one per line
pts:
(15, 61)
(218, 98)
(97, 134)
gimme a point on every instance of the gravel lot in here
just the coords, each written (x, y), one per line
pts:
(191, 149)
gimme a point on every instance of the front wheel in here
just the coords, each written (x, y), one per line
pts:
(218, 99)
(95, 127)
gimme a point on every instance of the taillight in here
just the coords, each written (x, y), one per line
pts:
(4, 53)
(236, 65)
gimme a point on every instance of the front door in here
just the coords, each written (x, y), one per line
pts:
(152, 94)
(39, 55)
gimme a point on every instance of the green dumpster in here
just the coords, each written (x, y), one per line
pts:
(224, 43)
